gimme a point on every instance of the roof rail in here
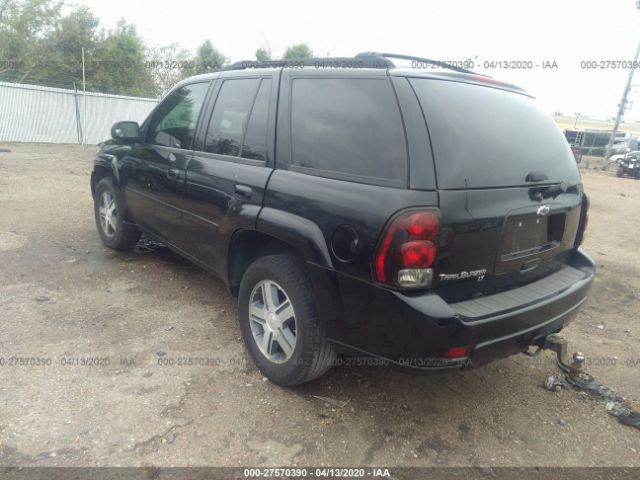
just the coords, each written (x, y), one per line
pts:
(436, 63)
(359, 61)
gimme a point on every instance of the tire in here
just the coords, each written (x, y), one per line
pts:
(620, 172)
(285, 277)
(636, 174)
(113, 231)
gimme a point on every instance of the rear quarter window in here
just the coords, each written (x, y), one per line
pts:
(349, 127)
(485, 137)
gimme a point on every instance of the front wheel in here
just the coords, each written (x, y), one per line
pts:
(278, 321)
(114, 231)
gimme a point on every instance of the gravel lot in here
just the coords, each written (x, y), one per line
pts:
(64, 298)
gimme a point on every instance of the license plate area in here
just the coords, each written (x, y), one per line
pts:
(524, 233)
(528, 237)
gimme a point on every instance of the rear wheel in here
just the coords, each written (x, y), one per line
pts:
(636, 173)
(114, 231)
(620, 172)
(279, 325)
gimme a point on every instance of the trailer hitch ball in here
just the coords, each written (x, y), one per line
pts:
(576, 366)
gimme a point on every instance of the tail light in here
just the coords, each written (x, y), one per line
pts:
(584, 220)
(407, 251)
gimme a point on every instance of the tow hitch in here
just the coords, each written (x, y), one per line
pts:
(616, 405)
(559, 345)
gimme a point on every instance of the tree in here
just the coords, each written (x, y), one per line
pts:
(300, 50)
(39, 45)
(262, 55)
(168, 65)
(114, 60)
(62, 49)
(207, 59)
(23, 25)
(119, 60)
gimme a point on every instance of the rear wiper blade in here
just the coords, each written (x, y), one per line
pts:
(562, 187)
(551, 191)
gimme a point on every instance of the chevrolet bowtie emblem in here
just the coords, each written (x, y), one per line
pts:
(543, 210)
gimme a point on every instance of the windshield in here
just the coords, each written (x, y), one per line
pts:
(484, 137)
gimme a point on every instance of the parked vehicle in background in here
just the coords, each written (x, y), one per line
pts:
(624, 146)
(618, 159)
(340, 204)
(630, 166)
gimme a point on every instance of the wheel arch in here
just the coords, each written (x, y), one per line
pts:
(104, 166)
(245, 247)
(277, 233)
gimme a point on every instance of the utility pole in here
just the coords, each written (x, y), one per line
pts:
(623, 102)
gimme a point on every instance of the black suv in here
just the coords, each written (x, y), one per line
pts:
(424, 218)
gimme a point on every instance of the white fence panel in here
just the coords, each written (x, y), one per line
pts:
(29, 113)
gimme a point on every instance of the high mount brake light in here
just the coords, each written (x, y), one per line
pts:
(408, 250)
(490, 80)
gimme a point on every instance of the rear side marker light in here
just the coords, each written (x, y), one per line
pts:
(408, 250)
(457, 352)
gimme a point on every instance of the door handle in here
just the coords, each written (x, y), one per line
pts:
(173, 173)
(244, 191)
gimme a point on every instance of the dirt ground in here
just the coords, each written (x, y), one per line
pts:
(65, 298)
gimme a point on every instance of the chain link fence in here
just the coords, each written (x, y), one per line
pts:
(31, 113)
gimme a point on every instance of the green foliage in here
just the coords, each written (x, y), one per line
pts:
(23, 25)
(262, 55)
(38, 45)
(41, 46)
(120, 63)
(207, 59)
(168, 65)
(61, 50)
(300, 50)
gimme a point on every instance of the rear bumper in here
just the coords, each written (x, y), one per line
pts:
(415, 331)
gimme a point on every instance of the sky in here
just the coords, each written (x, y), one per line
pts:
(567, 32)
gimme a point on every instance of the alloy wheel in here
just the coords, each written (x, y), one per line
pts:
(272, 320)
(108, 213)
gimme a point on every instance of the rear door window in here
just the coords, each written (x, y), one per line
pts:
(254, 145)
(230, 116)
(348, 127)
(484, 137)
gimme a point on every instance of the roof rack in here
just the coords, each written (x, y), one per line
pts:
(359, 61)
(429, 61)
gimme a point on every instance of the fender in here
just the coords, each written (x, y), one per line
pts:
(111, 157)
(297, 231)
(307, 238)
(110, 162)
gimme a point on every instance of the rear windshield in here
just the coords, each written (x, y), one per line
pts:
(484, 137)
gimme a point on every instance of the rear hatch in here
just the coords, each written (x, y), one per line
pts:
(509, 188)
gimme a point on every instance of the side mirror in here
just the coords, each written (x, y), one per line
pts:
(125, 131)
